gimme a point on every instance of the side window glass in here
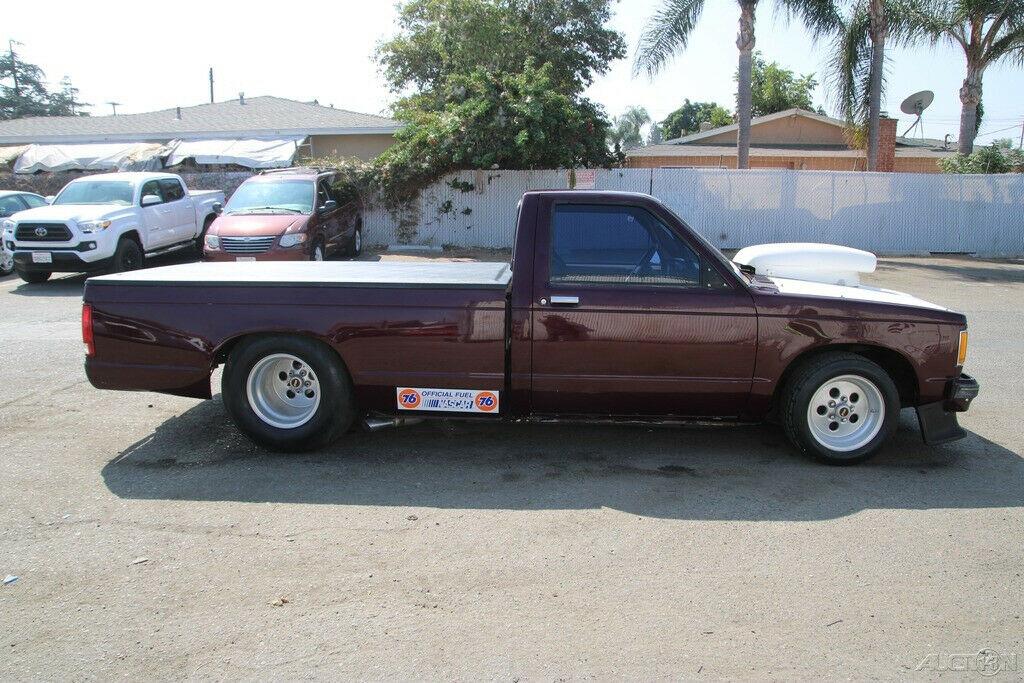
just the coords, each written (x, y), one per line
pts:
(33, 201)
(172, 190)
(151, 187)
(598, 244)
(10, 205)
(322, 193)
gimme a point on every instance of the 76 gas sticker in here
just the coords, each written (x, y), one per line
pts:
(447, 400)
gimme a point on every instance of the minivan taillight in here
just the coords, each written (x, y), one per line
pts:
(90, 346)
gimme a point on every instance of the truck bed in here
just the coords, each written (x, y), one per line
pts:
(320, 274)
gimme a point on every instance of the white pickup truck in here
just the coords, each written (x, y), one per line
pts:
(109, 221)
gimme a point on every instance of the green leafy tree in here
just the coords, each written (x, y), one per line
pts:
(625, 131)
(494, 83)
(438, 38)
(999, 157)
(491, 119)
(65, 101)
(987, 31)
(22, 87)
(671, 27)
(689, 117)
(775, 89)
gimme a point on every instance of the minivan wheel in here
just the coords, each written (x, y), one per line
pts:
(356, 246)
(128, 256)
(840, 408)
(288, 393)
(318, 252)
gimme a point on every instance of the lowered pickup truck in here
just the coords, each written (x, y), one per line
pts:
(109, 221)
(612, 309)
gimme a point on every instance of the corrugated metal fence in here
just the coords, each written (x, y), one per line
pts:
(888, 213)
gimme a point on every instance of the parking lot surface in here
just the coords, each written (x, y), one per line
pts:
(152, 540)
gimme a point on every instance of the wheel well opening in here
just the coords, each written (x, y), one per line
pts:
(894, 364)
(133, 235)
(222, 353)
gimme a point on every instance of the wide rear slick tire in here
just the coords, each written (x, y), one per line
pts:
(839, 408)
(288, 393)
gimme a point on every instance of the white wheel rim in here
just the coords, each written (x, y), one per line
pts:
(283, 391)
(359, 240)
(846, 413)
(318, 253)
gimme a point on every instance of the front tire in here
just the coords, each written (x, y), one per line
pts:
(128, 256)
(34, 277)
(288, 393)
(6, 262)
(840, 408)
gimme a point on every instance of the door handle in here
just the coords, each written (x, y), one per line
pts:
(565, 301)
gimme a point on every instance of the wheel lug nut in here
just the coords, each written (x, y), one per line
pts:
(831, 404)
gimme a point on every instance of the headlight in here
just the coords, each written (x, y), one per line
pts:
(293, 239)
(212, 242)
(7, 226)
(93, 226)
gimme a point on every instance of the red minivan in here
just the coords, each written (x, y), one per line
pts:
(291, 214)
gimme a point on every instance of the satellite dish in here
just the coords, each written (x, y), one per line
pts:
(915, 106)
(917, 103)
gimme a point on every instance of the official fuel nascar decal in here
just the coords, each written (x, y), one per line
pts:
(448, 400)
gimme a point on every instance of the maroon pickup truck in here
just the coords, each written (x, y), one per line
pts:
(612, 309)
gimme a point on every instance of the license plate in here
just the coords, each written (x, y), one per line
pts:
(245, 258)
(42, 257)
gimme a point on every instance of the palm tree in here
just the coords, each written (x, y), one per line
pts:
(987, 31)
(859, 62)
(669, 31)
(624, 133)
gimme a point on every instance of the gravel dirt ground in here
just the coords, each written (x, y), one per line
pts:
(153, 541)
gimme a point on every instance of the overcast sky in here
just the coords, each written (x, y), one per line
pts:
(146, 60)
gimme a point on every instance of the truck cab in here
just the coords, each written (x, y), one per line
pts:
(109, 221)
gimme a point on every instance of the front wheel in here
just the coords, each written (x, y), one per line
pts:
(288, 393)
(128, 256)
(6, 262)
(840, 408)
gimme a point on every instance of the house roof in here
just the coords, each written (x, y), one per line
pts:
(696, 137)
(258, 117)
(704, 144)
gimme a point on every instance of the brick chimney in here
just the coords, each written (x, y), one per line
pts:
(886, 144)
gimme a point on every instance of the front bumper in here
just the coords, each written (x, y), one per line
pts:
(273, 254)
(64, 261)
(938, 420)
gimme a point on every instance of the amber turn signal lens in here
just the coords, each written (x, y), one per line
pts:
(961, 354)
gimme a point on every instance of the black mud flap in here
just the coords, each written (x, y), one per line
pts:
(938, 425)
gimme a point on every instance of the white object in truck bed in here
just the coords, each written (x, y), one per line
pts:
(320, 273)
(827, 263)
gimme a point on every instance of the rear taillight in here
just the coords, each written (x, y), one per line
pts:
(90, 346)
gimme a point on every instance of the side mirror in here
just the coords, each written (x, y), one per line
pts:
(329, 205)
(218, 208)
(150, 200)
(49, 198)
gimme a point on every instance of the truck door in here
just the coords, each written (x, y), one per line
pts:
(159, 218)
(181, 206)
(631, 316)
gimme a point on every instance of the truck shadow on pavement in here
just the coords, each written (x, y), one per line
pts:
(726, 473)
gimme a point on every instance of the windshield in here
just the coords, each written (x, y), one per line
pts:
(279, 196)
(96, 192)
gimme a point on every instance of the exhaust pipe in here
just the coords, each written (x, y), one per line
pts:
(375, 424)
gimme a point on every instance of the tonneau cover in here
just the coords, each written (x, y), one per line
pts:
(320, 274)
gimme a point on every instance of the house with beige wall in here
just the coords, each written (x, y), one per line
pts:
(251, 132)
(794, 139)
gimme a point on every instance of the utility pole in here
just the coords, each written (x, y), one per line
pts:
(113, 106)
(1021, 145)
(211, 85)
